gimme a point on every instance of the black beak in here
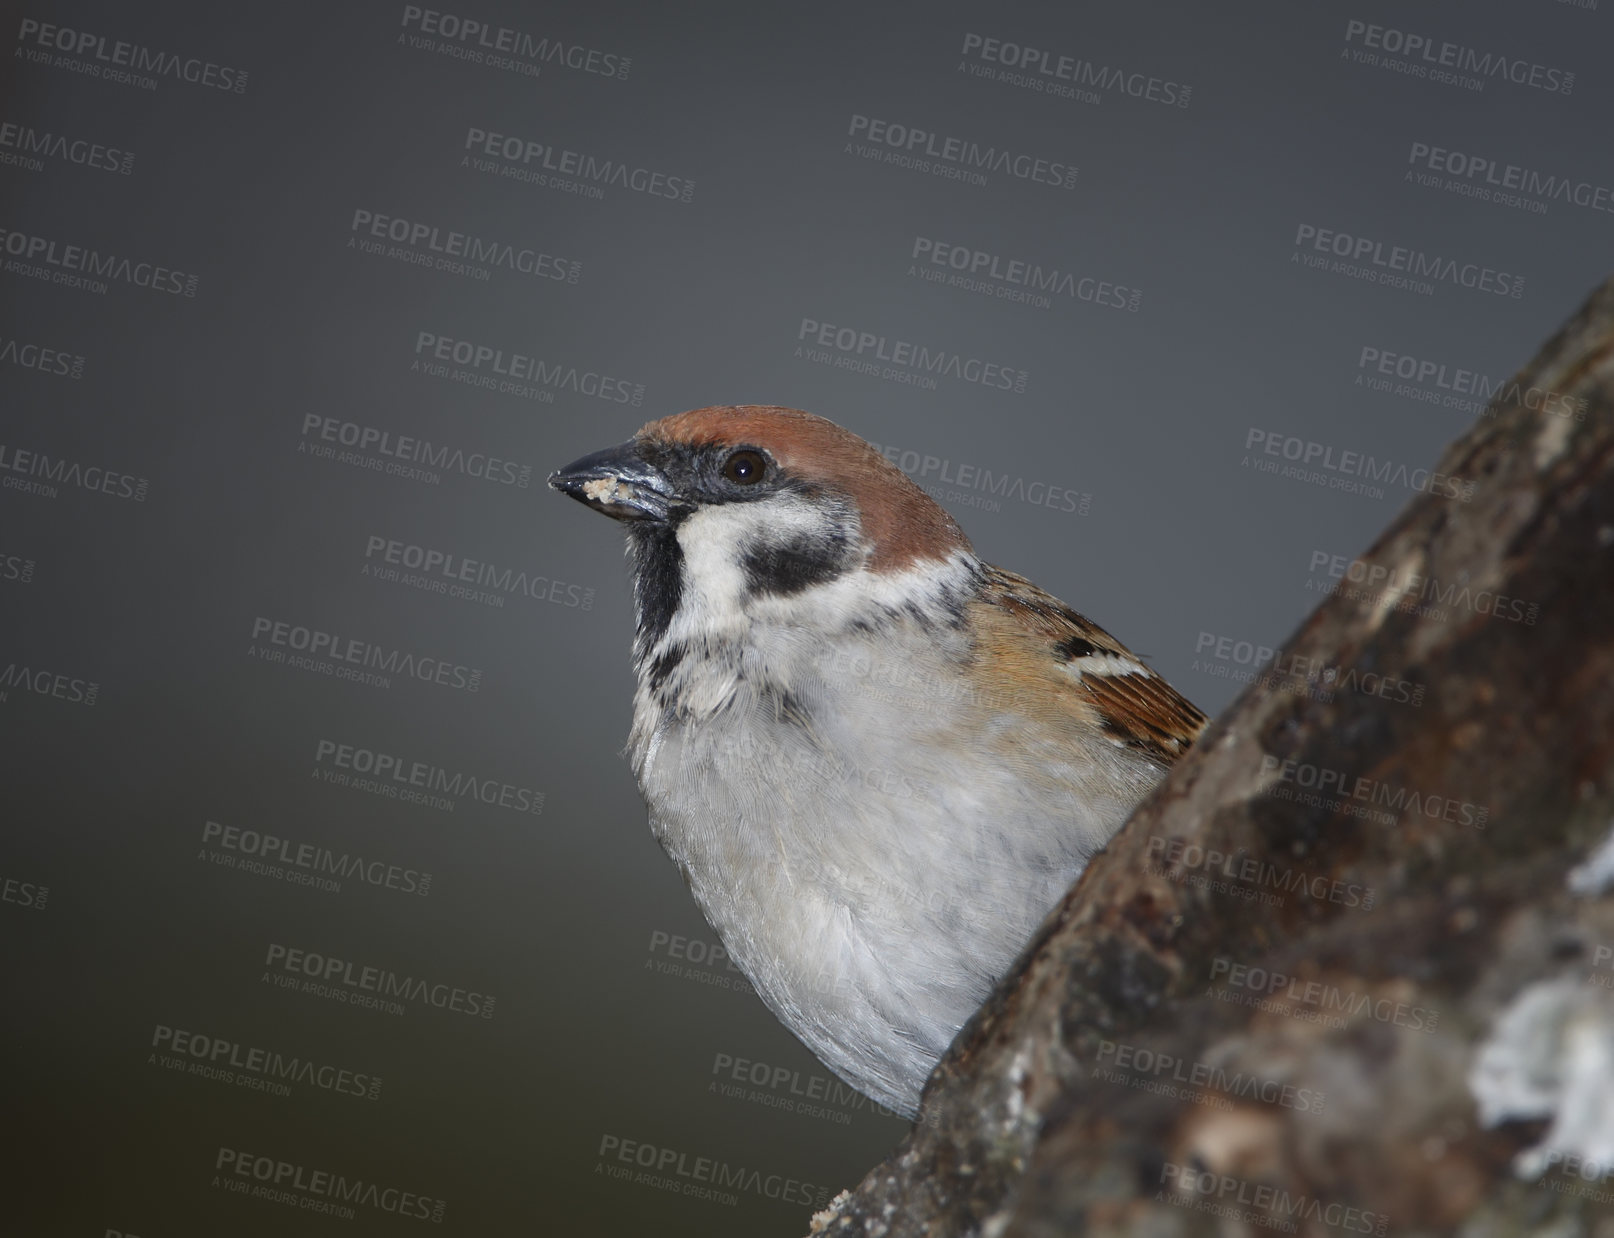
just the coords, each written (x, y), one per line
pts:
(618, 482)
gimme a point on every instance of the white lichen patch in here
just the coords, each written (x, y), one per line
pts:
(1594, 875)
(1551, 1055)
(1553, 440)
(1407, 575)
(823, 1219)
(1014, 1077)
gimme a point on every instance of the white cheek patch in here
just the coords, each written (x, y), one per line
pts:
(720, 606)
(710, 540)
(715, 541)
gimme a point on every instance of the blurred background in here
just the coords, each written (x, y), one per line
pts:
(327, 903)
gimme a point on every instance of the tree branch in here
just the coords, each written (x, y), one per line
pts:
(1385, 823)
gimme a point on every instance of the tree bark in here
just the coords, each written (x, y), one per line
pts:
(1268, 1002)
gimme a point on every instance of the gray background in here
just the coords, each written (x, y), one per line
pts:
(569, 918)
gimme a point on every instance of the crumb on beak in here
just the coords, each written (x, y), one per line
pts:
(608, 490)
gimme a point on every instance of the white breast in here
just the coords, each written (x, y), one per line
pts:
(873, 843)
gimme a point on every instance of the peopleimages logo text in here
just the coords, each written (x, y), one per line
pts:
(31, 356)
(1024, 280)
(477, 35)
(492, 363)
(332, 1192)
(386, 767)
(131, 56)
(27, 141)
(543, 163)
(1412, 263)
(873, 348)
(914, 141)
(91, 264)
(276, 850)
(56, 471)
(448, 243)
(355, 651)
(330, 970)
(1483, 172)
(222, 1056)
(1083, 73)
(1428, 51)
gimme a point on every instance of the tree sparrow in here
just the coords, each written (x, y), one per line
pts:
(877, 760)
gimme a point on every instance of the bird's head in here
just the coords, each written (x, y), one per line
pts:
(737, 508)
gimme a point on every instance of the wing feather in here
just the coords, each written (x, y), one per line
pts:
(1136, 707)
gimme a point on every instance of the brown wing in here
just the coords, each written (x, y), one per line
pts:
(1135, 706)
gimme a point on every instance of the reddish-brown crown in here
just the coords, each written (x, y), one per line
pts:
(901, 521)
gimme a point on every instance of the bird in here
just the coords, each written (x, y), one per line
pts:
(877, 760)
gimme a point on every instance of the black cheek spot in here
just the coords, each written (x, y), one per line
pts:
(790, 567)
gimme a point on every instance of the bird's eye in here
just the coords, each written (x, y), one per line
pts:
(745, 467)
